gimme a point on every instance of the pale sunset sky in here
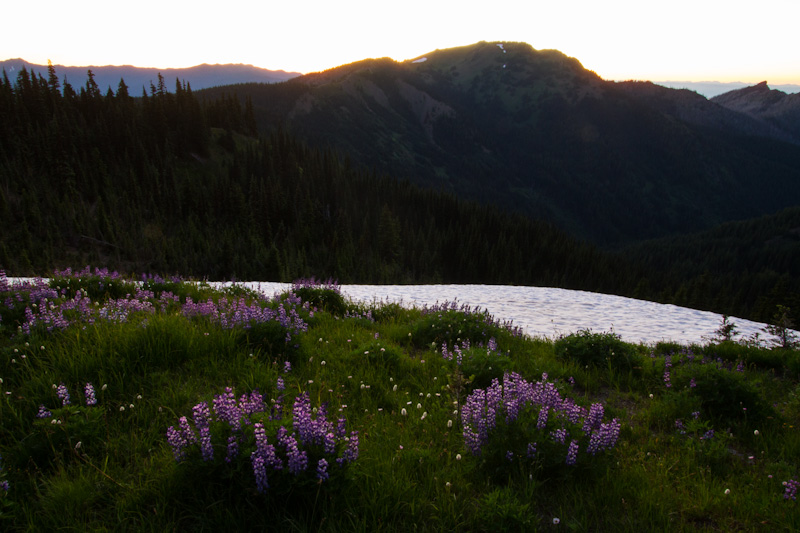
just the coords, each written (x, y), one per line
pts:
(682, 40)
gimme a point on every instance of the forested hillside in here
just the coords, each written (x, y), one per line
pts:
(535, 132)
(166, 183)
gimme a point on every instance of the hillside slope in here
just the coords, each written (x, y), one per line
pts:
(535, 132)
(770, 106)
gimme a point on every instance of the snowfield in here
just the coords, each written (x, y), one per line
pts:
(549, 312)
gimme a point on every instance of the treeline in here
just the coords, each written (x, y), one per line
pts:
(170, 184)
(745, 268)
(165, 183)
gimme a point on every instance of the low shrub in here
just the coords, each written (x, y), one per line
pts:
(598, 350)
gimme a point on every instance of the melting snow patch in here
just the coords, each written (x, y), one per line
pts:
(500, 46)
(550, 312)
(420, 60)
(544, 311)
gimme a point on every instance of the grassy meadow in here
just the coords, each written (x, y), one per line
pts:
(158, 404)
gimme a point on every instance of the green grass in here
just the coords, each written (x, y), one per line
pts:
(413, 471)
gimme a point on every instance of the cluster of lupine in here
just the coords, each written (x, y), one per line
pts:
(63, 395)
(790, 490)
(60, 314)
(241, 312)
(688, 359)
(87, 271)
(51, 309)
(313, 283)
(15, 298)
(558, 420)
(458, 352)
(695, 427)
(483, 315)
(242, 425)
(367, 315)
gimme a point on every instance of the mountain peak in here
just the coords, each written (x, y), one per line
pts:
(771, 106)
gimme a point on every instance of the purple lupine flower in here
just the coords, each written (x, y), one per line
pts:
(297, 459)
(287, 367)
(63, 394)
(227, 410)
(572, 453)
(186, 430)
(175, 439)
(5, 486)
(180, 438)
(202, 419)
(88, 392)
(329, 443)
(266, 450)
(559, 435)
(574, 412)
(43, 412)
(276, 410)
(708, 435)
(531, 450)
(459, 355)
(492, 345)
(445, 353)
(280, 385)
(260, 472)
(302, 421)
(350, 453)
(472, 441)
(609, 434)
(790, 492)
(250, 404)
(594, 418)
(322, 470)
(542, 420)
(232, 449)
(341, 428)
(509, 456)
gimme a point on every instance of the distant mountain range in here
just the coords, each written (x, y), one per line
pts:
(205, 76)
(710, 89)
(770, 106)
(137, 78)
(533, 131)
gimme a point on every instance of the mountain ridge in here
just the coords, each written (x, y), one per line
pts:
(764, 104)
(199, 76)
(534, 131)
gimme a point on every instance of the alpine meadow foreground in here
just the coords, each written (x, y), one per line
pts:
(165, 404)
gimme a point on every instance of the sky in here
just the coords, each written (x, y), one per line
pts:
(656, 40)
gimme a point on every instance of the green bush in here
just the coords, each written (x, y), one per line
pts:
(93, 286)
(726, 395)
(452, 327)
(481, 366)
(389, 312)
(599, 350)
(323, 299)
